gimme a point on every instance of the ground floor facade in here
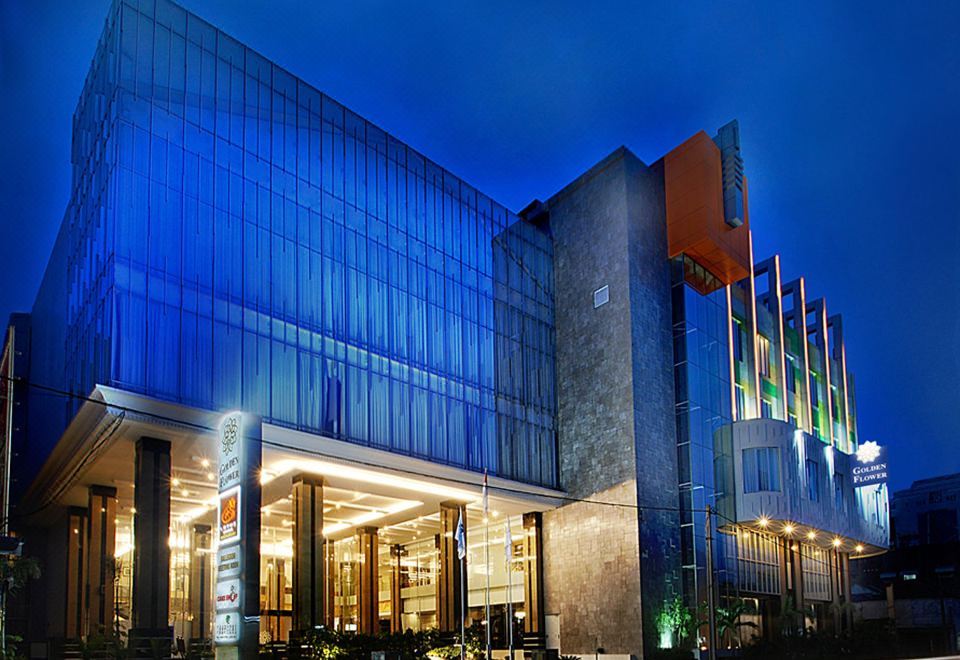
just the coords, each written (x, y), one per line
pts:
(350, 538)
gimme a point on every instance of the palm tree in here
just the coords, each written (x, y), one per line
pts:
(728, 618)
(793, 619)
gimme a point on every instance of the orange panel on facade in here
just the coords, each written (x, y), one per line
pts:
(695, 221)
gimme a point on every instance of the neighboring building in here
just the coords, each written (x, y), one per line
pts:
(915, 588)
(611, 358)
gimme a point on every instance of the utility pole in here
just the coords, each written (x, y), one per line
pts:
(711, 611)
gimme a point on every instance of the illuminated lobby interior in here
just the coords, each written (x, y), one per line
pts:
(393, 513)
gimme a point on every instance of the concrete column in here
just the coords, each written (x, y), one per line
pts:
(449, 586)
(845, 585)
(101, 543)
(331, 572)
(835, 595)
(534, 624)
(200, 595)
(151, 534)
(309, 582)
(396, 601)
(76, 580)
(368, 587)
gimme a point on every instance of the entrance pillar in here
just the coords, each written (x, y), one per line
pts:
(534, 623)
(396, 602)
(449, 582)
(76, 580)
(200, 596)
(309, 582)
(331, 558)
(101, 543)
(151, 548)
(368, 593)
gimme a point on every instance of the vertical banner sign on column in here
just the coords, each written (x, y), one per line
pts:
(237, 621)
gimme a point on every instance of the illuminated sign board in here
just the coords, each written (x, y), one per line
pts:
(228, 562)
(226, 628)
(236, 628)
(228, 595)
(229, 516)
(871, 466)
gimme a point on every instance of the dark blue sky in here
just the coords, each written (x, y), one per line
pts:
(848, 117)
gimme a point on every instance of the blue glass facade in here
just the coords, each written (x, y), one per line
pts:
(702, 377)
(238, 240)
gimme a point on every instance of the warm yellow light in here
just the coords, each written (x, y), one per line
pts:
(210, 476)
(205, 463)
(175, 482)
(837, 543)
(763, 521)
(811, 535)
(349, 472)
(788, 528)
(859, 548)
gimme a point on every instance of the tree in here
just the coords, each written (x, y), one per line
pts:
(728, 618)
(678, 622)
(15, 572)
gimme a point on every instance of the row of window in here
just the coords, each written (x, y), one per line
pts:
(761, 473)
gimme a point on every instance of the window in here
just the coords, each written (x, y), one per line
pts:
(763, 356)
(741, 401)
(761, 469)
(814, 391)
(766, 408)
(791, 375)
(737, 340)
(839, 499)
(601, 296)
(813, 480)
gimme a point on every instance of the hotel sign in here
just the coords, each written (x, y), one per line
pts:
(237, 594)
(871, 468)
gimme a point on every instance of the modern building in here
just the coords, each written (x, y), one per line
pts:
(611, 360)
(915, 588)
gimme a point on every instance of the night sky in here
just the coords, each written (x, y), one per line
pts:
(848, 114)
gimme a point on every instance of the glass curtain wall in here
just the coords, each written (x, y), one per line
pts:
(703, 417)
(238, 240)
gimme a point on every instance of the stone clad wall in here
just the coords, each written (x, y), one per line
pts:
(592, 556)
(616, 415)
(592, 573)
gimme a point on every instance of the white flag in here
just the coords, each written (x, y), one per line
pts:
(486, 501)
(508, 545)
(460, 538)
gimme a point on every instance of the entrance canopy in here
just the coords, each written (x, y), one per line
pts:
(363, 486)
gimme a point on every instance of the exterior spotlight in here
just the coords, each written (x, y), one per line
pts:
(763, 521)
(811, 535)
(175, 482)
(837, 543)
(788, 529)
(205, 462)
(859, 548)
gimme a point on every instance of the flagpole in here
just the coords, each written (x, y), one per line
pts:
(508, 552)
(486, 562)
(463, 610)
(462, 554)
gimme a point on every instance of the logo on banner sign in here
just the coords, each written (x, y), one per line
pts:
(231, 451)
(230, 515)
(226, 628)
(228, 595)
(873, 465)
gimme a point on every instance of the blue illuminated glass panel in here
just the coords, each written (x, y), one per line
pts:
(238, 239)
